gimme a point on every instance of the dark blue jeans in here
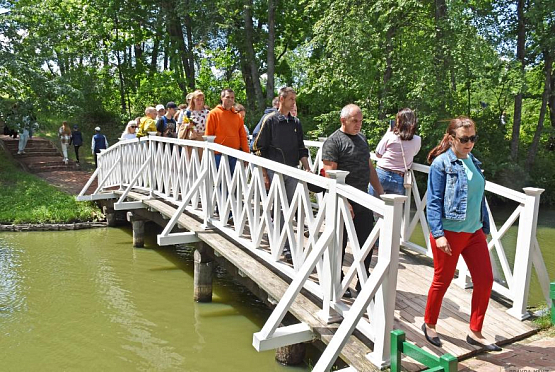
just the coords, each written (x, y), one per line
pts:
(231, 159)
(392, 183)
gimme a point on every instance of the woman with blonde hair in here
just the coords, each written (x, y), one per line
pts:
(130, 131)
(199, 113)
(65, 137)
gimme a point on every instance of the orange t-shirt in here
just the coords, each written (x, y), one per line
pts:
(228, 128)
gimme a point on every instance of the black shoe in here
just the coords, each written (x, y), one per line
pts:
(490, 347)
(348, 293)
(432, 340)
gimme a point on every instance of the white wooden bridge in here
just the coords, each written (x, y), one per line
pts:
(179, 179)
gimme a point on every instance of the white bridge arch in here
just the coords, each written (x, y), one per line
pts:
(184, 173)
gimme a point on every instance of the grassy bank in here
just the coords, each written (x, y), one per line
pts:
(25, 198)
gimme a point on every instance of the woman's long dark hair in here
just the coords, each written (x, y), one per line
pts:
(405, 124)
(445, 144)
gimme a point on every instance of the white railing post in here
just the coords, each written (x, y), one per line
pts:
(523, 258)
(151, 169)
(209, 183)
(406, 212)
(335, 251)
(384, 309)
(120, 149)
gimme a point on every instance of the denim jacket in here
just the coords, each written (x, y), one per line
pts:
(447, 193)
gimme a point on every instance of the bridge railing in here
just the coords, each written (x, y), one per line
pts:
(512, 277)
(234, 200)
(185, 173)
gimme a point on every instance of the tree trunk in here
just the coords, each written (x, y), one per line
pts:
(61, 64)
(190, 65)
(247, 77)
(156, 46)
(440, 58)
(551, 104)
(120, 73)
(251, 57)
(177, 43)
(271, 60)
(532, 152)
(520, 52)
(382, 112)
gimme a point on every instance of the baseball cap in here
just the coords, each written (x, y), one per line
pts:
(97, 129)
(170, 105)
(75, 126)
(159, 107)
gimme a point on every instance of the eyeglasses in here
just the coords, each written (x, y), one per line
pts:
(472, 139)
(133, 126)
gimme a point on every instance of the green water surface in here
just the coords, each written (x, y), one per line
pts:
(87, 301)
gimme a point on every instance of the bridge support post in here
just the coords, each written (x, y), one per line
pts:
(138, 224)
(291, 355)
(203, 273)
(110, 214)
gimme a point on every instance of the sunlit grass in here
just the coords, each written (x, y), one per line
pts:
(25, 198)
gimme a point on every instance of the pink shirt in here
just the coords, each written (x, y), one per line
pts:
(390, 150)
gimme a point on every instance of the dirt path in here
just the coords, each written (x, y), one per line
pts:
(43, 159)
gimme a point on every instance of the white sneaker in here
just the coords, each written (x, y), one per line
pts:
(19, 153)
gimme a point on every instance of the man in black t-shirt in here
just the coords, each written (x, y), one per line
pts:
(166, 125)
(347, 150)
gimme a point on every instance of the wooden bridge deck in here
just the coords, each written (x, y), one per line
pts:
(414, 277)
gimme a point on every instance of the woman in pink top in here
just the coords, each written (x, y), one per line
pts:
(397, 143)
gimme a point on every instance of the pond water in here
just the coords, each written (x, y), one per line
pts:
(86, 300)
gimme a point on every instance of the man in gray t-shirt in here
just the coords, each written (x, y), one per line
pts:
(346, 149)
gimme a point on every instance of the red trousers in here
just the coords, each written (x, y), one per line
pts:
(474, 249)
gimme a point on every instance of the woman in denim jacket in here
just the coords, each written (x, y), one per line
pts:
(458, 220)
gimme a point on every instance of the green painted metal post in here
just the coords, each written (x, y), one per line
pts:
(397, 339)
(552, 295)
(448, 362)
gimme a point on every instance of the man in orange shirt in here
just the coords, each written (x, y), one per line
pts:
(224, 123)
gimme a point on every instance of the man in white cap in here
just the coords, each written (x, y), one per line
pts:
(160, 111)
(99, 142)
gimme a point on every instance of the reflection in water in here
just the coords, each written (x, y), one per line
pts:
(86, 300)
(11, 297)
(154, 351)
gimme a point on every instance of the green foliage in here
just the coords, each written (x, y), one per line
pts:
(102, 62)
(25, 198)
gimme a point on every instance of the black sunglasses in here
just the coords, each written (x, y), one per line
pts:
(133, 126)
(472, 139)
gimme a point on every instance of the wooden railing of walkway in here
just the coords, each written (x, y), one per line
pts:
(165, 169)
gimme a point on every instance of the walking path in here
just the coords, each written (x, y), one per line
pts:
(44, 159)
(536, 353)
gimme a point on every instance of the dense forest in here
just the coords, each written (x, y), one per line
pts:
(103, 61)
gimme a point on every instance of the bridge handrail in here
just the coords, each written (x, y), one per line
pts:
(170, 168)
(175, 171)
(527, 254)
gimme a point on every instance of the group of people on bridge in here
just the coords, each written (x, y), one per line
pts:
(456, 209)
